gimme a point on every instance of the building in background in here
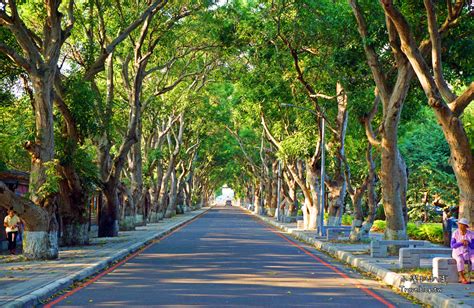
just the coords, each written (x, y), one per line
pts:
(227, 193)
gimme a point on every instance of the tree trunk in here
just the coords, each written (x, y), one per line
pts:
(435, 88)
(135, 164)
(337, 196)
(312, 179)
(461, 160)
(257, 198)
(171, 209)
(269, 196)
(41, 240)
(360, 227)
(73, 208)
(109, 212)
(127, 219)
(394, 189)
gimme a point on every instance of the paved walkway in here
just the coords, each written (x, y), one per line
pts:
(24, 282)
(386, 269)
(228, 258)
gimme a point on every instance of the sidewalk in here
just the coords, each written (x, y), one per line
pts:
(26, 283)
(358, 255)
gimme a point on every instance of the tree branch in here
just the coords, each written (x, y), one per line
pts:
(14, 56)
(367, 121)
(448, 95)
(373, 61)
(98, 65)
(269, 135)
(460, 103)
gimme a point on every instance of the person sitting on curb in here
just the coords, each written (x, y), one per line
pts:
(462, 243)
(11, 224)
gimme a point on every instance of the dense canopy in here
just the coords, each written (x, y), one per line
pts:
(147, 108)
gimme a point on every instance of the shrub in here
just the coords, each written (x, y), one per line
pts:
(379, 226)
(432, 232)
(347, 219)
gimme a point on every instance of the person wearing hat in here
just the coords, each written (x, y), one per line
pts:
(462, 244)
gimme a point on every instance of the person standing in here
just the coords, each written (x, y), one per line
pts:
(462, 243)
(11, 224)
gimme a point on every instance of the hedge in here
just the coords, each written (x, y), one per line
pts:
(432, 232)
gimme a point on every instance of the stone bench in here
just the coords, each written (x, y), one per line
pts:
(410, 257)
(333, 232)
(290, 219)
(379, 249)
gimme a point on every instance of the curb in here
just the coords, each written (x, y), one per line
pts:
(390, 278)
(34, 298)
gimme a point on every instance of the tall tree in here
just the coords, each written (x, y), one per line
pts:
(38, 55)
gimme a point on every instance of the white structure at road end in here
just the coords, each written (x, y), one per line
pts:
(227, 194)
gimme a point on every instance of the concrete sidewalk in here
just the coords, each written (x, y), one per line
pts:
(358, 255)
(26, 283)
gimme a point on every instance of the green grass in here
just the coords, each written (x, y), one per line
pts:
(414, 271)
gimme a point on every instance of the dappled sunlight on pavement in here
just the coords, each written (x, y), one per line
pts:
(226, 258)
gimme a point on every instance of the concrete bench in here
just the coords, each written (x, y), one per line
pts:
(333, 232)
(290, 219)
(379, 249)
(410, 257)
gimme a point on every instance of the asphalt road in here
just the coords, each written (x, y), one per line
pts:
(229, 258)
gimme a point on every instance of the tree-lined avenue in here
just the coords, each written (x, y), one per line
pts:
(228, 258)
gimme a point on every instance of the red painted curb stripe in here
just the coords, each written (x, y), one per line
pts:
(111, 269)
(359, 285)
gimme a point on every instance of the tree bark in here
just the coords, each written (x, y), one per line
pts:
(171, 210)
(393, 169)
(462, 159)
(127, 220)
(135, 163)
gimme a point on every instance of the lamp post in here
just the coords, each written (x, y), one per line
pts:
(321, 230)
(279, 215)
(320, 219)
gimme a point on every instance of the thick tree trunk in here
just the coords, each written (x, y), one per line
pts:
(435, 88)
(358, 218)
(394, 189)
(269, 197)
(337, 195)
(155, 194)
(127, 219)
(73, 208)
(360, 227)
(312, 178)
(171, 209)
(109, 212)
(135, 163)
(257, 198)
(461, 160)
(41, 240)
(393, 170)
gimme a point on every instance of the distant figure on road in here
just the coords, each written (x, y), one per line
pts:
(463, 247)
(11, 224)
(228, 203)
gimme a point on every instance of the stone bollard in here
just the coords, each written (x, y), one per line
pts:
(445, 267)
(300, 224)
